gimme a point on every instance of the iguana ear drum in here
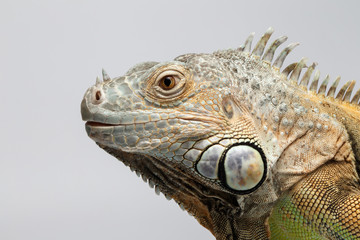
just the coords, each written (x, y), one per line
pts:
(242, 168)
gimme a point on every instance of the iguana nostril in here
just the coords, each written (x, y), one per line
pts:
(98, 95)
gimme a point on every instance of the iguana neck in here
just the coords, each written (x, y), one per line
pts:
(349, 115)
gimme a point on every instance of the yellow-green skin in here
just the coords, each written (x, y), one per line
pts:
(317, 209)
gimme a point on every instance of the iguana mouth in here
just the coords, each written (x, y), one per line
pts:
(99, 124)
(186, 117)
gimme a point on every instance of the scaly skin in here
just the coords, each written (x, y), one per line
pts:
(238, 144)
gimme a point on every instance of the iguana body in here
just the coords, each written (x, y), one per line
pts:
(246, 149)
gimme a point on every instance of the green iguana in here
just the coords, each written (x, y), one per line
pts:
(250, 151)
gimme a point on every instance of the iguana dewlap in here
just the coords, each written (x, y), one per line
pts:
(250, 151)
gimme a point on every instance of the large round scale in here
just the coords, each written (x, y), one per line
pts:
(243, 168)
(240, 168)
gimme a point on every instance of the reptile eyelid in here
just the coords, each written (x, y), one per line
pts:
(181, 88)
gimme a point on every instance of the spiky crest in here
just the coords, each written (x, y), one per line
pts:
(293, 71)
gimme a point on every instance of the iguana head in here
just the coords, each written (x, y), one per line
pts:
(216, 132)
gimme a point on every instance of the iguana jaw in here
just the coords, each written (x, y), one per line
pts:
(205, 203)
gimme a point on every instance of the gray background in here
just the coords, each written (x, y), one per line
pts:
(55, 183)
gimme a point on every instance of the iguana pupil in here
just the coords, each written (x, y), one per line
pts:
(167, 82)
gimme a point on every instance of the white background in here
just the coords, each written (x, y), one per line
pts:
(55, 183)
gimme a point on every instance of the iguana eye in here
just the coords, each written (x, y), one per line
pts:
(243, 168)
(170, 83)
(167, 82)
